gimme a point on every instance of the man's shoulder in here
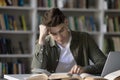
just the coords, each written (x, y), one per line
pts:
(46, 38)
(79, 33)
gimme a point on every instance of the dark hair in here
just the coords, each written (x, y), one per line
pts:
(53, 17)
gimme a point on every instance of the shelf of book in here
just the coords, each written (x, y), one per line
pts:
(15, 32)
(26, 55)
(112, 21)
(15, 8)
(16, 36)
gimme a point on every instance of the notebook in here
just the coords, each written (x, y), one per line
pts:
(112, 63)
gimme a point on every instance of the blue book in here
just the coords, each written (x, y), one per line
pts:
(20, 2)
(92, 23)
(6, 21)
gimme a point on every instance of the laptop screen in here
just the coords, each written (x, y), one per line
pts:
(112, 63)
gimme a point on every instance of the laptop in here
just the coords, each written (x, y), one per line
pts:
(112, 63)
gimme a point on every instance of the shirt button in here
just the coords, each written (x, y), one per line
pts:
(41, 61)
(57, 60)
(42, 49)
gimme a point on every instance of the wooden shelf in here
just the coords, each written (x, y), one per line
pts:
(15, 56)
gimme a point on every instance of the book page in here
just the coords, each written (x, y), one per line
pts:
(39, 71)
(113, 75)
(60, 75)
(84, 75)
(65, 76)
(54, 76)
(42, 76)
(87, 76)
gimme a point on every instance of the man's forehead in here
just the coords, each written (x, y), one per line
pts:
(55, 29)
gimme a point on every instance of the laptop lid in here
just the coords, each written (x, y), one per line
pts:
(112, 63)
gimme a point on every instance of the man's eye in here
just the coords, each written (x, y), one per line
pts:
(54, 34)
(61, 30)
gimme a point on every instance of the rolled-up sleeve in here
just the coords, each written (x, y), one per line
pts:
(37, 56)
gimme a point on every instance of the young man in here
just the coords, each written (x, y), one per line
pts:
(61, 50)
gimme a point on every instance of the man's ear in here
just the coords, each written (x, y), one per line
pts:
(66, 21)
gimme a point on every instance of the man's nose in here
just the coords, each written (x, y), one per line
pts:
(59, 36)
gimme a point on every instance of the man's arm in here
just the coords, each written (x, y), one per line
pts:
(38, 59)
(37, 56)
(96, 56)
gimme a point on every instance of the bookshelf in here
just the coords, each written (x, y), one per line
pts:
(17, 53)
(92, 17)
(112, 22)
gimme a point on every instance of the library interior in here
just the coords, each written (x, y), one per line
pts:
(19, 28)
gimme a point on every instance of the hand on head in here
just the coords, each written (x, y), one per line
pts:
(43, 31)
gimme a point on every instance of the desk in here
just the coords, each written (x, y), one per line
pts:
(16, 76)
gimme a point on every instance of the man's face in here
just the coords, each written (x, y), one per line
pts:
(59, 33)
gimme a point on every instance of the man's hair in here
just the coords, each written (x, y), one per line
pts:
(53, 17)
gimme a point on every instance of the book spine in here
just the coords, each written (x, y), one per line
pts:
(23, 22)
(9, 2)
(6, 21)
(1, 72)
(2, 22)
(20, 2)
(21, 47)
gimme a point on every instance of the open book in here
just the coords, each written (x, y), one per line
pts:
(66, 76)
(54, 76)
(45, 75)
(111, 76)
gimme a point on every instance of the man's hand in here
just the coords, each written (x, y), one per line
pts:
(43, 31)
(76, 69)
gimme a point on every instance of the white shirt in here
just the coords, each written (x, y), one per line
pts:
(66, 61)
